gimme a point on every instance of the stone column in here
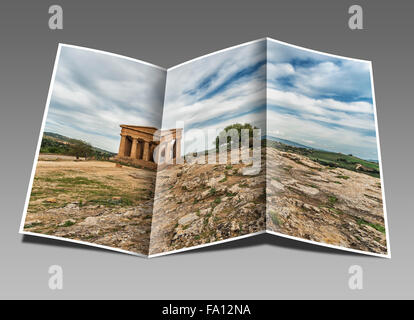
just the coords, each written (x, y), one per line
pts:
(121, 151)
(134, 148)
(152, 149)
(178, 150)
(145, 155)
(139, 150)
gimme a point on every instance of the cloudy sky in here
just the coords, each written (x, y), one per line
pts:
(215, 91)
(320, 101)
(314, 99)
(95, 92)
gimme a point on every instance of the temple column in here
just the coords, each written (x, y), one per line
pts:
(178, 150)
(152, 149)
(134, 148)
(139, 150)
(121, 151)
(145, 155)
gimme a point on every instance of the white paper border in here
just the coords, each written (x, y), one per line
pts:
(207, 244)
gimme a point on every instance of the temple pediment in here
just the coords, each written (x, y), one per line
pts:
(139, 145)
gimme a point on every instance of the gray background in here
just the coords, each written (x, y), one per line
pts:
(167, 33)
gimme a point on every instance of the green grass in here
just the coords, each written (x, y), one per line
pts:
(332, 200)
(208, 215)
(68, 224)
(327, 158)
(341, 160)
(275, 218)
(377, 227)
(34, 224)
(342, 177)
(330, 205)
(336, 211)
(82, 190)
(62, 181)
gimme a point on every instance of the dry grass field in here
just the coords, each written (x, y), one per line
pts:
(92, 201)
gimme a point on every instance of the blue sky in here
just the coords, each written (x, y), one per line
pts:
(95, 92)
(217, 90)
(321, 101)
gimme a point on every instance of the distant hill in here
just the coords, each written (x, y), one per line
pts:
(287, 142)
(58, 144)
(327, 158)
(56, 136)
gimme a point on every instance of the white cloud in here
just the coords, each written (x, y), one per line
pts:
(316, 74)
(320, 100)
(353, 114)
(318, 136)
(96, 92)
(278, 70)
(218, 90)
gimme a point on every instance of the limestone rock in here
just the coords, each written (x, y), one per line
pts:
(90, 221)
(187, 219)
(277, 185)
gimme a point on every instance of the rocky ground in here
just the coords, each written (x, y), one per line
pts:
(92, 201)
(201, 203)
(329, 205)
(194, 204)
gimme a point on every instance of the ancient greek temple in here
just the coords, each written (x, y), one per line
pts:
(138, 144)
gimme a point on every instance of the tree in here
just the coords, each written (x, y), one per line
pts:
(238, 127)
(79, 148)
